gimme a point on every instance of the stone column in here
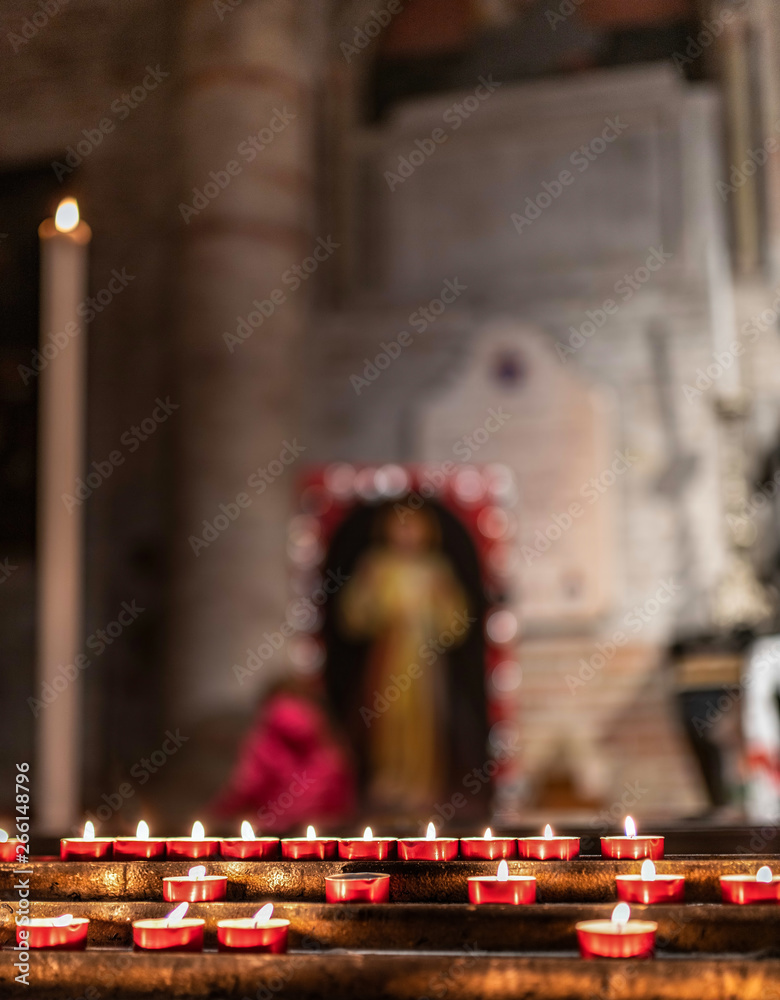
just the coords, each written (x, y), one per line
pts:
(245, 220)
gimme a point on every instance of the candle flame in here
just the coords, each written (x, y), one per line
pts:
(142, 830)
(502, 875)
(368, 833)
(621, 915)
(199, 871)
(630, 827)
(311, 833)
(247, 833)
(177, 914)
(648, 871)
(764, 874)
(66, 217)
(198, 833)
(3, 836)
(64, 921)
(548, 834)
(488, 834)
(264, 914)
(89, 830)
(430, 833)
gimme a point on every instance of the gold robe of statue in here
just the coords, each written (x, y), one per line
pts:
(405, 597)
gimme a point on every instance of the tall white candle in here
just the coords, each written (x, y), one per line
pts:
(62, 403)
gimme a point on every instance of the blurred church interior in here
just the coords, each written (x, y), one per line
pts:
(436, 345)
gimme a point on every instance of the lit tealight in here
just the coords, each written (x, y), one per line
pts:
(430, 833)
(502, 875)
(368, 833)
(621, 915)
(3, 837)
(488, 834)
(247, 833)
(66, 218)
(89, 830)
(178, 914)
(647, 873)
(764, 874)
(142, 830)
(630, 827)
(64, 921)
(199, 871)
(263, 915)
(198, 832)
(311, 833)
(548, 834)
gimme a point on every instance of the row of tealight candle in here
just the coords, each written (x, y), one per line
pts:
(368, 847)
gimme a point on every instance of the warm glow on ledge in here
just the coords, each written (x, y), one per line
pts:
(648, 871)
(89, 830)
(621, 915)
(502, 875)
(66, 217)
(630, 827)
(142, 830)
(198, 833)
(264, 914)
(177, 914)
(430, 833)
(247, 833)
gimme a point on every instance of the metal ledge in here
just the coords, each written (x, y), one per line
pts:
(691, 929)
(587, 880)
(120, 975)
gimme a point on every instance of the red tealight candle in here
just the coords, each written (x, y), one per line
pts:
(309, 848)
(548, 847)
(632, 846)
(141, 846)
(262, 932)
(195, 847)
(173, 933)
(763, 887)
(619, 937)
(11, 849)
(488, 848)
(65, 933)
(86, 848)
(357, 887)
(195, 887)
(649, 887)
(248, 847)
(366, 848)
(502, 887)
(428, 848)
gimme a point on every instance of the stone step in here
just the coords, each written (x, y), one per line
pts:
(682, 929)
(582, 880)
(113, 974)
